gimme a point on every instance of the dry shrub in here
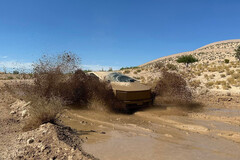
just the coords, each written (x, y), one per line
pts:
(42, 111)
(159, 65)
(195, 83)
(232, 81)
(226, 87)
(209, 84)
(222, 75)
(172, 88)
(126, 72)
(171, 66)
(236, 75)
(61, 78)
(58, 82)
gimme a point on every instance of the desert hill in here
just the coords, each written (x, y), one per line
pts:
(217, 51)
(217, 68)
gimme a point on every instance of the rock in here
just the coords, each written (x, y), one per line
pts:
(29, 141)
(70, 157)
(53, 158)
(24, 113)
(13, 112)
(43, 148)
(58, 150)
(26, 104)
(203, 91)
(168, 135)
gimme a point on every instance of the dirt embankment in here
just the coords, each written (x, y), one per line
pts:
(49, 141)
(213, 99)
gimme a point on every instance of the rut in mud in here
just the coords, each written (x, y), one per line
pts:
(213, 133)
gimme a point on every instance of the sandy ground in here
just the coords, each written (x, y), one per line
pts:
(159, 132)
(46, 142)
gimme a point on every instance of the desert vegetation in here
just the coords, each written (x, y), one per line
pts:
(58, 82)
(237, 54)
(188, 59)
(212, 64)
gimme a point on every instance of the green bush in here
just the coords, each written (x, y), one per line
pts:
(223, 75)
(88, 70)
(226, 60)
(126, 72)
(15, 72)
(187, 59)
(139, 70)
(134, 67)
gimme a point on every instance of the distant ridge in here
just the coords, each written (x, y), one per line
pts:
(226, 46)
(221, 42)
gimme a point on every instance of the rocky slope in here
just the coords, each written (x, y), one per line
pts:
(214, 52)
(217, 68)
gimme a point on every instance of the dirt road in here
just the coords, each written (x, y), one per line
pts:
(157, 133)
(213, 133)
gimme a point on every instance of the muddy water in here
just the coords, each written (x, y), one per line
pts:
(159, 134)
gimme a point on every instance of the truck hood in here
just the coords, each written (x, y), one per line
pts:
(129, 86)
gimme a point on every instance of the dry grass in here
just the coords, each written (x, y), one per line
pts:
(159, 65)
(42, 111)
(171, 66)
(226, 87)
(236, 75)
(209, 84)
(222, 75)
(195, 83)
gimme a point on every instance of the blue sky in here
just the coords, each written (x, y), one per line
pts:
(112, 33)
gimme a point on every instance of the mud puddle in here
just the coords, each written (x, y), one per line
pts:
(157, 134)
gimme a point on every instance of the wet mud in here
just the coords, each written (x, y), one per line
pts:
(167, 133)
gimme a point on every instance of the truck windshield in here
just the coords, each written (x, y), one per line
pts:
(117, 77)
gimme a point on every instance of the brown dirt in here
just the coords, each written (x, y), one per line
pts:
(49, 141)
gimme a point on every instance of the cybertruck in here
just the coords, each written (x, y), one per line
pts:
(126, 89)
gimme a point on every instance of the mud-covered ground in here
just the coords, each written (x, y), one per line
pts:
(160, 133)
(169, 132)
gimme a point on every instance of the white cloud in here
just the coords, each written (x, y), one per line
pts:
(14, 65)
(98, 67)
(28, 66)
(4, 57)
